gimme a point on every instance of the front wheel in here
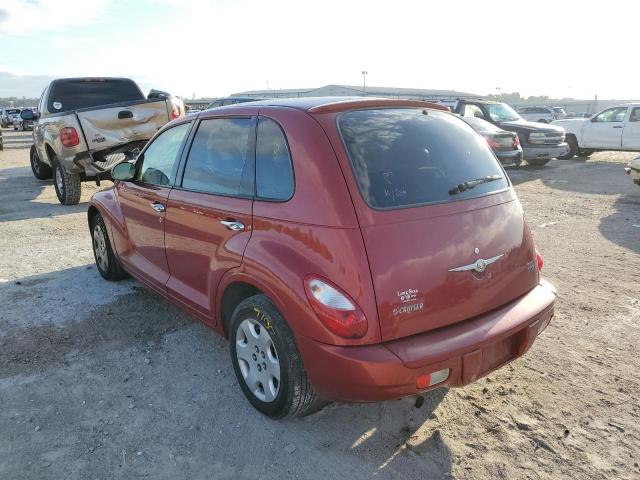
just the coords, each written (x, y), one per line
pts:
(106, 261)
(573, 148)
(40, 170)
(68, 185)
(266, 360)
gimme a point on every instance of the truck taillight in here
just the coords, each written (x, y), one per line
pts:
(516, 140)
(69, 137)
(335, 309)
(175, 112)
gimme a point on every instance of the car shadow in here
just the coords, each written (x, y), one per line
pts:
(623, 226)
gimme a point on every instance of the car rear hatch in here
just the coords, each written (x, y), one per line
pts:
(440, 250)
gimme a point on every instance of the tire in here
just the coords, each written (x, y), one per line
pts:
(586, 153)
(106, 261)
(538, 162)
(68, 186)
(40, 170)
(257, 326)
(573, 148)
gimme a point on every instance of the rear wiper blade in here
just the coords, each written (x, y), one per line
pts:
(469, 184)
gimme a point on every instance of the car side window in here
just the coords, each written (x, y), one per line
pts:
(615, 114)
(274, 172)
(635, 115)
(472, 111)
(220, 158)
(161, 156)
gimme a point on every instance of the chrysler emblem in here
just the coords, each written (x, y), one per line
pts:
(479, 265)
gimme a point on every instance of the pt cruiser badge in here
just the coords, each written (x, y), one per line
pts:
(479, 265)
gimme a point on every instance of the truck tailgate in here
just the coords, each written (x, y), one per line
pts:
(114, 125)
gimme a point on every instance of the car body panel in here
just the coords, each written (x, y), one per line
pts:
(327, 230)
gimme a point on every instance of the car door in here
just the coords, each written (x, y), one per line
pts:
(605, 129)
(143, 203)
(209, 212)
(631, 131)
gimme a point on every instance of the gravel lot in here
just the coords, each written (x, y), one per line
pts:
(103, 380)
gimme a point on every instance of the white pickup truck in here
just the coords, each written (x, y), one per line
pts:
(84, 126)
(616, 128)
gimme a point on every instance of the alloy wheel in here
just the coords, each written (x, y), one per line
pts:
(100, 248)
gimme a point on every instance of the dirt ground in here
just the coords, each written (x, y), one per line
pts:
(101, 380)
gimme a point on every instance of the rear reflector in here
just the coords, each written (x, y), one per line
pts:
(433, 378)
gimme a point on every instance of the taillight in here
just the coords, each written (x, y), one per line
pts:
(539, 260)
(335, 309)
(175, 113)
(493, 143)
(516, 141)
(69, 137)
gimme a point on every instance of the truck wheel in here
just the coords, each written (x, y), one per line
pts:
(68, 186)
(586, 153)
(40, 170)
(106, 261)
(573, 148)
(266, 361)
(538, 162)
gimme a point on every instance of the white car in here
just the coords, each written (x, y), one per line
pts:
(633, 169)
(542, 114)
(616, 128)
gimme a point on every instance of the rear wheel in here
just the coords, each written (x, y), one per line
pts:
(267, 362)
(68, 185)
(106, 261)
(573, 148)
(40, 170)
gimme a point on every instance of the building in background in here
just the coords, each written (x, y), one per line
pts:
(368, 91)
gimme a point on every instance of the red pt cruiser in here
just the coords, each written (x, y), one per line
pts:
(350, 249)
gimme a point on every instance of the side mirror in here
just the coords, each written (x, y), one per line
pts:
(124, 171)
(27, 114)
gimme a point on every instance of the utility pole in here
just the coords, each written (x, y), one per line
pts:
(364, 81)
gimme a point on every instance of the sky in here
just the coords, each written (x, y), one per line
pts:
(211, 48)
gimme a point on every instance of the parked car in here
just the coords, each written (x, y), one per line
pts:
(633, 169)
(505, 145)
(542, 114)
(379, 251)
(540, 143)
(21, 125)
(616, 128)
(8, 115)
(220, 102)
(86, 125)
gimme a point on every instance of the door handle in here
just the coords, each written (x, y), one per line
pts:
(158, 207)
(233, 225)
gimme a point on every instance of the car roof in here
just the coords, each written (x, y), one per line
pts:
(334, 104)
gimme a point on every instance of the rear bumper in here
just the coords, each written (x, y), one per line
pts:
(509, 158)
(470, 350)
(544, 151)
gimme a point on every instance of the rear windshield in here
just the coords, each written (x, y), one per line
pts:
(408, 157)
(77, 94)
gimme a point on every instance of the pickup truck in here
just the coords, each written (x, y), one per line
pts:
(540, 142)
(84, 126)
(616, 128)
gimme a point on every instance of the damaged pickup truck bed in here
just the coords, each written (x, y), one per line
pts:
(84, 126)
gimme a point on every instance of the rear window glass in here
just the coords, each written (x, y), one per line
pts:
(406, 157)
(77, 94)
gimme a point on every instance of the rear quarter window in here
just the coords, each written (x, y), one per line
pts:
(408, 157)
(274, 173)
